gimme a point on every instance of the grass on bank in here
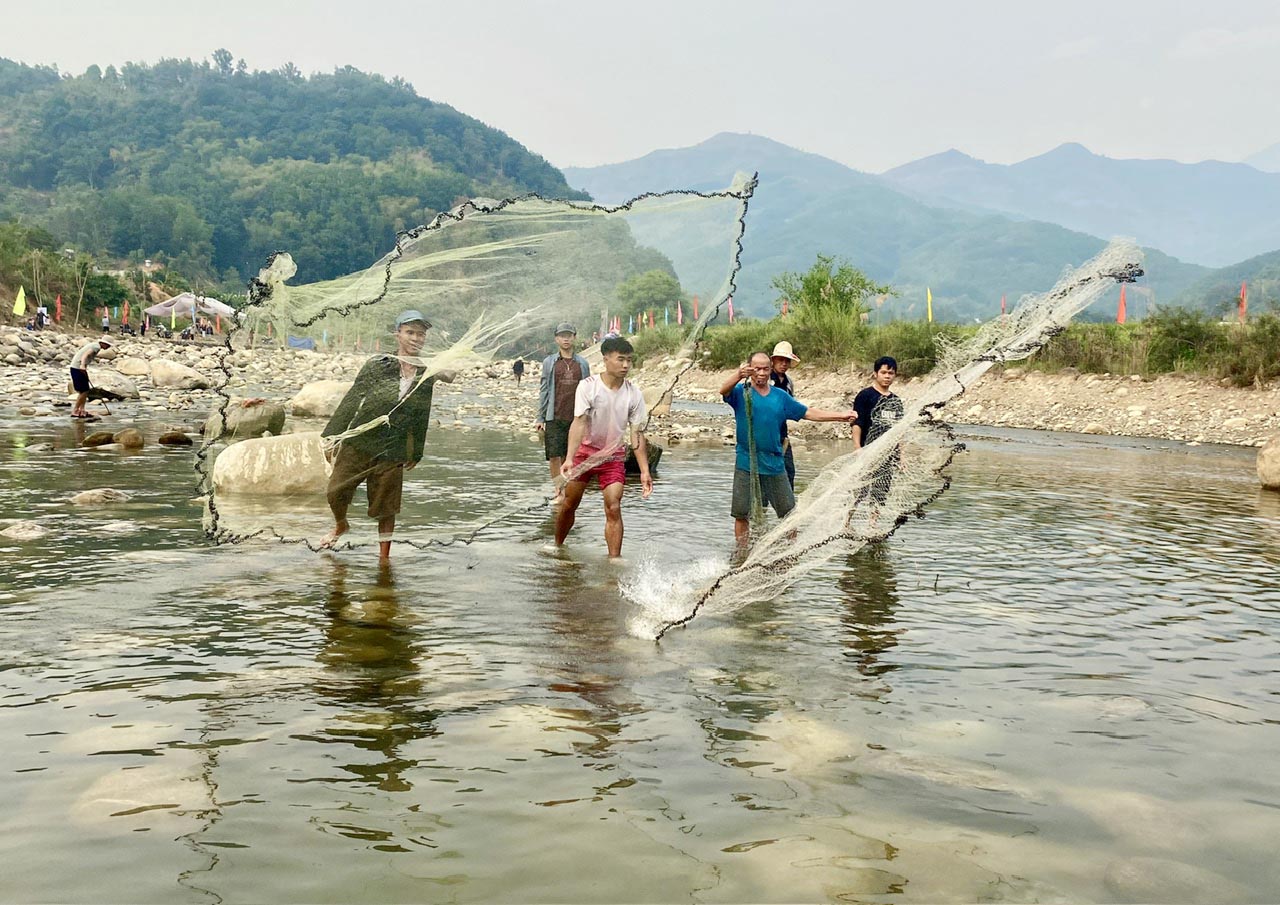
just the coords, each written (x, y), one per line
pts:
(1171, 341)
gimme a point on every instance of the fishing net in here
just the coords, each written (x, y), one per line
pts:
(864, 496)
(490, 281)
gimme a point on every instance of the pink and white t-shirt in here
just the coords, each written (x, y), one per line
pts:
(609, 413)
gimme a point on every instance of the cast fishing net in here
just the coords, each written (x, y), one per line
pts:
(864, 496)
(493, 278)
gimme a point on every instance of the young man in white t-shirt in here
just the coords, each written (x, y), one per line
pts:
(605, 408)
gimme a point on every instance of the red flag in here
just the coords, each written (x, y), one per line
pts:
(268, 329)
(1120, 312)
(57, 308)
(784, 307)
(217, 322)
(731, 309)
(679, 312)
(1002, 308)
(650, 318)
(125, 320)
(695, 307)
(1244, 300)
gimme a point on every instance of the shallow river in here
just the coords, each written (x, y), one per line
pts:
(1063, 684)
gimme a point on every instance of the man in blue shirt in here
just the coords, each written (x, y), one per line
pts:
(770, 408)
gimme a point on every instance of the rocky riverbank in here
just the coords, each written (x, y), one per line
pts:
(180, 381)
(1170, 407)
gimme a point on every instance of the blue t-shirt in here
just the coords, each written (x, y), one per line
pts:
(768, 415)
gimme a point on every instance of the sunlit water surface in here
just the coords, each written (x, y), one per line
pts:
(1063, 684)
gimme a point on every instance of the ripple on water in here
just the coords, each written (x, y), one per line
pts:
(1053, 687)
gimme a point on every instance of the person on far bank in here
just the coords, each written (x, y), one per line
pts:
(782, 356)
(608, 410)
(879, 409)
(770, 408)
(562, 371)
(106, 322)
(518, 370)
(80, 373)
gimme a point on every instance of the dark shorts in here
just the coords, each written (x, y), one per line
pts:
(555, 437)
(775, 488)
(384, 482)
(610, 471)
(80, 380)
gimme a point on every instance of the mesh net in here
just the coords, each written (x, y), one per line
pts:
(493, 279)
(864, 496)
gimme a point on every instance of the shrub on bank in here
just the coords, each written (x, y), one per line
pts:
(1175, 340)
(665, 340)
(1170, 341)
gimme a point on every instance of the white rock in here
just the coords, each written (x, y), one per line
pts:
(171, 374)
(24, 531)
(293, 463)
(241, 422)
(1232, 424)
(114, 381)
(134, 367)
(1269, 464)
(98, 496)
(320, 398)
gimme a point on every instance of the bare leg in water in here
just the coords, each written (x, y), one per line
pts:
(568, 511)
(385, 527)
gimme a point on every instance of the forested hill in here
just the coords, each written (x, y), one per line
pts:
(213, 166)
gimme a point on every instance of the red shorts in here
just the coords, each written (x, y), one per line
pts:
(610, 471)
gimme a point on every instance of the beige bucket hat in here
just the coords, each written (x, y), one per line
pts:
(783, 350)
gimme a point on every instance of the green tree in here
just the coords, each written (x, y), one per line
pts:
(656, 289)
(831, 287)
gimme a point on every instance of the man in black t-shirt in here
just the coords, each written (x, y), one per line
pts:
(878, 410)
(782, 357)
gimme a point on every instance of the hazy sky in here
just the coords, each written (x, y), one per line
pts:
(872, 85)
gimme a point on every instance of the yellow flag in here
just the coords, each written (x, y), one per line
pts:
(928, 293)
(20, 303)
(173, 318)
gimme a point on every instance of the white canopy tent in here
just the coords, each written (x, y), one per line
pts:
(188, 305)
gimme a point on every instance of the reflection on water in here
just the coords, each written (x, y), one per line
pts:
(1054, 687)
(372, 679)
(871, 597)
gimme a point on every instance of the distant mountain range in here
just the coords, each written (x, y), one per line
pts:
(1211, 213)
(1218, 290)
(807, 204)
(1267, 160)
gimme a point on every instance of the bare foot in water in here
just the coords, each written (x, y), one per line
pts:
(339, 529)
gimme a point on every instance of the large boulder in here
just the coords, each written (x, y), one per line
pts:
(275, 466)
(245, 418)
(99, 438)
(130, 438)
(166, 373)
(1269, 464)
(319, 398)
(113, 381)
(656, 401)
(134, 367)
(174, 438)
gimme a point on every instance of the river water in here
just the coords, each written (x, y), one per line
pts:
(1060, 685)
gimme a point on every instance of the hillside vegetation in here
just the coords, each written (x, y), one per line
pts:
(212, 167)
